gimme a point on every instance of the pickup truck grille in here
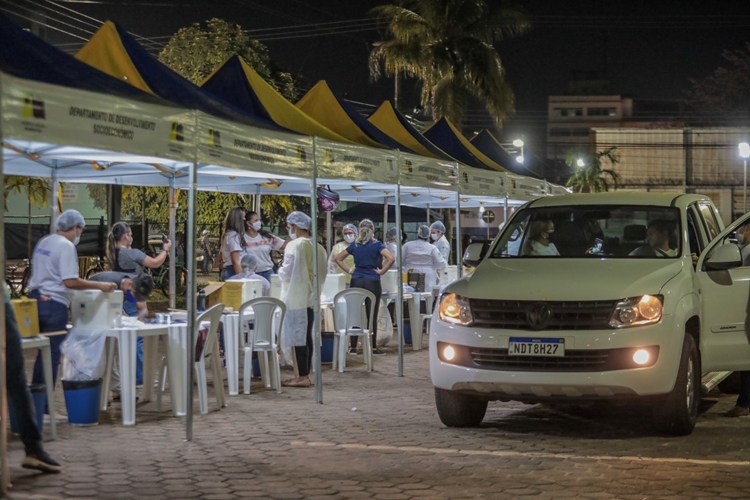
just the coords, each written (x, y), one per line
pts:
(574, 361)
(540, 315)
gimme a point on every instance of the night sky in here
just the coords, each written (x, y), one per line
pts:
(652, 47)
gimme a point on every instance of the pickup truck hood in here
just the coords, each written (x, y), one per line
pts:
(567, 279)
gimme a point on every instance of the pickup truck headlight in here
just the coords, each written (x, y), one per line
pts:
(637, 311)
(455, 309)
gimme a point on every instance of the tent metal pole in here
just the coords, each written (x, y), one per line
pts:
(505, 209)
(191, 296)
(53, 205)
(400, 291)
(172, 237)
(257, 201)
(428, 214)
(4, 470)
(459, 250)
(329, 232)
(385, 217)
(318, 396)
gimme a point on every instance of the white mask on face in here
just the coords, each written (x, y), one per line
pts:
(256, 225)
(434, 236)
(349, 238)
(292, 235)
(77, 240)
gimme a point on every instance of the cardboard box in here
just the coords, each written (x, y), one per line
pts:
(27, 316)
(213, 294)
(96, 309)
(234, 293)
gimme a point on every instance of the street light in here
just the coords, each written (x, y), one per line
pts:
(519, 144)
(744, 153)
(580, 162)
(519, 159)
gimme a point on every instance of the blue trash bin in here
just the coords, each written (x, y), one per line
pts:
(82, 400)
(407, 334)
(326, 348)
(39, 395)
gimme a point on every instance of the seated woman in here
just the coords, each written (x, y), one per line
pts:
(249, 266)
(537, 241)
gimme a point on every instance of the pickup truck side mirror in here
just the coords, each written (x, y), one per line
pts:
(473, 254)
(724, 257)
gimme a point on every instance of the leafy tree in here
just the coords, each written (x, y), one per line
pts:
(448, 46)
(725, 92)
(37, 190)
(198, 50)
(591, 177)
(211, 207)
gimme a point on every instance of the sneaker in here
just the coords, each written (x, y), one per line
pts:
(41, 461)
(353, 352)
(737, 411)
(378, 352)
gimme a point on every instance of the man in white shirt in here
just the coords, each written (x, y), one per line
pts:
(54, 276)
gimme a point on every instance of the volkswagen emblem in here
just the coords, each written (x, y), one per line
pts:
(538, 315)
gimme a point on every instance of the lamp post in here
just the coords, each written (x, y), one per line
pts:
(580, 163)
(744, 153)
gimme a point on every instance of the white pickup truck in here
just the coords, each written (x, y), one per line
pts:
(594, 297)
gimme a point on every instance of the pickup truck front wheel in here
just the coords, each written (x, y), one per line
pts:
(677, 412)
(459, 410)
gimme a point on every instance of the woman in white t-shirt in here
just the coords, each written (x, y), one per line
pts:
(232, 243)
(537, 242)
(259, 244)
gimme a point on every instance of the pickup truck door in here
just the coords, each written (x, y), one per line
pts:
(725, 309)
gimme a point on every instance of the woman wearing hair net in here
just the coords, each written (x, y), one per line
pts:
(437, 234)
(296, 274)
(368, 255)
(391, 242)
(54, 276)
(350, 234)
(422, 257)
(250, 272)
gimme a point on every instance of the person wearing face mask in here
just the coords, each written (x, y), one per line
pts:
(391, 242)
(123, 258)
(54, 275)
(260, 243)
(368, 255)
(422, 257)
(350, 234)
(437, 235)
(296, 274)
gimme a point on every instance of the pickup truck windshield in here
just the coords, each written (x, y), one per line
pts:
(636, 232)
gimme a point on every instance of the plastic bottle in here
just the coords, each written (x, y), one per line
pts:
(201, 300)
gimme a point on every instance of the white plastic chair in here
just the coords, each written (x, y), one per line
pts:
(211, 316)
(356, 318)
(263, 338)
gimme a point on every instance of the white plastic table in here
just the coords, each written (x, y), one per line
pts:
(177, 348)
(42, 343)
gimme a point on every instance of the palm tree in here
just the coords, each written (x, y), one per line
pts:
(590, 176)
(37, 191)
(448, 46)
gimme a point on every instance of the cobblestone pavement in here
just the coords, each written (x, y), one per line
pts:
(378, 436)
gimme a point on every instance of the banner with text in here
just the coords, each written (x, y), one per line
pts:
(418, 171)
(40, 112)
(355, 163)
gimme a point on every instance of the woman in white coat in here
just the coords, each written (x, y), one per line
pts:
(296, 274)
(437, 233)
(421, 256)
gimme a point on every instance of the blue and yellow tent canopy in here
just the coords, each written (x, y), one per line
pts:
(485, 142)
(325, 106)
(239, 84)
(443, 134)
(27, 56)
(115, 52)
(391, 122)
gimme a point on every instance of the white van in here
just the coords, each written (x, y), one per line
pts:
(594, 297)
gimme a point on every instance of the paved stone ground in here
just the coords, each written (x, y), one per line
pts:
(378, 436)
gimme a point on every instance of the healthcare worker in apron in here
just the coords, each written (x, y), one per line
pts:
(420, 256)
(437, 234)
(296, 274)
(350, 234)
